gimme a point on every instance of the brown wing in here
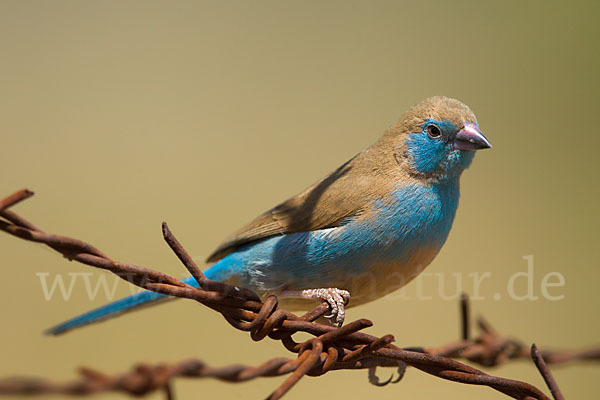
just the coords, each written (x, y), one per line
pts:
(326, 204)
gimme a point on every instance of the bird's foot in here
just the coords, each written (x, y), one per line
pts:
(336, 298)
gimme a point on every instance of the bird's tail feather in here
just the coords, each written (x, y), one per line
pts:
(130, 303)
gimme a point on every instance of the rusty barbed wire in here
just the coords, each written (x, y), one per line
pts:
(490, 348)
(331, 348)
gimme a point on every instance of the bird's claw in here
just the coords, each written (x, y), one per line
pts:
(336, 298)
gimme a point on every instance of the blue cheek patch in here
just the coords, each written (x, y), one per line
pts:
(429, 155)
(425, 153)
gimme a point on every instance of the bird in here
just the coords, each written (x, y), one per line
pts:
(361, 232)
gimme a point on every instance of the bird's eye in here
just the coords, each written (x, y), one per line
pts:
(433, 131)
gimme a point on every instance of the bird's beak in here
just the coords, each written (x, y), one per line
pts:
(470, 138)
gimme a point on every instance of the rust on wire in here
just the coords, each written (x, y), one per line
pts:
(15, 198)
(330, 348)
(538, 359)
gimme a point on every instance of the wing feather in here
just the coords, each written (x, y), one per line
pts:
(333, 201)
(322, 205)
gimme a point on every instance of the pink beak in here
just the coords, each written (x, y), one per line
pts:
(470, 138)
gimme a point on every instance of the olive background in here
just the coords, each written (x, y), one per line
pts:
(124, 114)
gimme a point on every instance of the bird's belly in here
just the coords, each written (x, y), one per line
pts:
(375, 279)
(385, 276)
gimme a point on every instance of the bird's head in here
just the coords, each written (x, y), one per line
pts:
(437, 138)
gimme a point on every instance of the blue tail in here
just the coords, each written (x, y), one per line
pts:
(114, 309)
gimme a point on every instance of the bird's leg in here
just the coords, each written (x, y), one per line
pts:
(336, 298)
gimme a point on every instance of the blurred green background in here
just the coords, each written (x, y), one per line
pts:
(122, 114)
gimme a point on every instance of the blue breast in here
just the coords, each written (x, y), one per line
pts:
(414, 216)
(418, 216)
